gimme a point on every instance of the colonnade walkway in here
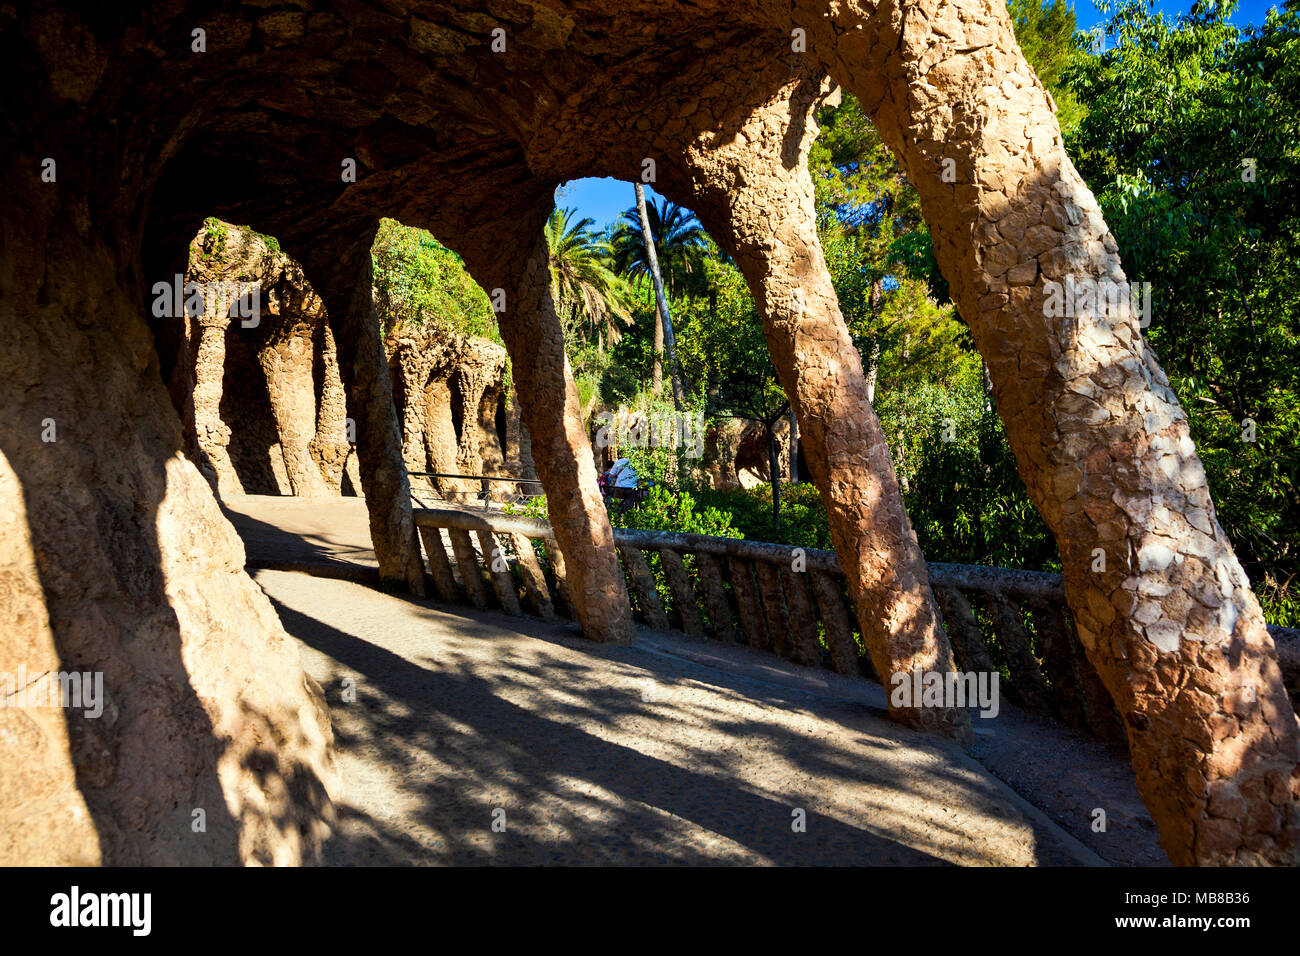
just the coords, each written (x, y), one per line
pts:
(472, 737)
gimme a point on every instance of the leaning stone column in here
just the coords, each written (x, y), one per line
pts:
(1161, 603)
(286, 362)
(330, 445)
(756, 189)
(211, 434)
(548, 400)
(349, 303)
(117, 564)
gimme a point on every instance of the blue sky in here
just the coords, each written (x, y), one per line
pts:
(604, 200)
(1086, 13)
(600, 199)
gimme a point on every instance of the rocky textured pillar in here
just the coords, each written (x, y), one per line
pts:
(211, 434)
(519, 446)
(286, 361)
(1161, 603)
(349, 302)
(471, 383)
(43, 815)
(408, 369)
(330, 446)
(491, 451)
(512, 256)
(117, 564)
(755, 189)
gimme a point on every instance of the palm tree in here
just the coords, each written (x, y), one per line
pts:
(679, 244)
(663, 243)
(588, 294)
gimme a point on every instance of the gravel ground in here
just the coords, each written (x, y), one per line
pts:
(477, 738)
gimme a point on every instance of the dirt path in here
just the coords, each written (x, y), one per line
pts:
(668, 751)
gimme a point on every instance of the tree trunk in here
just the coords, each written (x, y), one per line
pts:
(665, 343)
(657, 380)
(773, 473)
(794, 446)
(873, 353)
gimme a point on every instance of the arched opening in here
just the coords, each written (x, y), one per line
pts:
(468, 145)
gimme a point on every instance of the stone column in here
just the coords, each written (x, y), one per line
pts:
(116, 563)
(754, 188)
(491, 452)
(510, 254)
(211, 434)
(472, 383)
(330, 445)
(1161, 603)
(409, 370)
(519, 447)
(287, 364)
(349, 303)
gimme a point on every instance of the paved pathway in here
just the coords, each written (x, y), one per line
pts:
(668, 751)
(671, 750)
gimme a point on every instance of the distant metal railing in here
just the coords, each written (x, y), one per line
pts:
(485, 490)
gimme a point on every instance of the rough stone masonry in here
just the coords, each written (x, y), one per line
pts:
(129, 125)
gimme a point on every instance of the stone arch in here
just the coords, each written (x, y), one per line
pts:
(471, 144)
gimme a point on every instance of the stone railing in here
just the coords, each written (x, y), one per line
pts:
(788, 601)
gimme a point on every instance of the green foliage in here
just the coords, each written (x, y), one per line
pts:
(590, 298)
(533, 508)
(272, 244)
(725, 353)
(419, 280)
(966, 500)
(665, 509)
(676, 510)
(804, 522)
(1176, 108)
(679, 244)
(217, 232)
(879, 256)
(1048, 36)
(860, 189)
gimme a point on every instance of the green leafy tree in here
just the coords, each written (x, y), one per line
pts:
(1190, 145)
(728, 353)
(591, 299)
(679, 240)
(1050, 39)
(671, 258)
